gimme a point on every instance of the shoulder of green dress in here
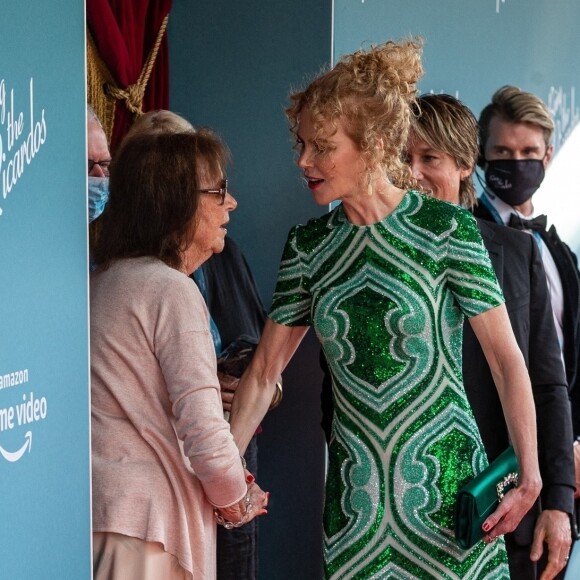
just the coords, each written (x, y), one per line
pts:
(439, 217)
(436, 207)
(316, 228)
(465, 218)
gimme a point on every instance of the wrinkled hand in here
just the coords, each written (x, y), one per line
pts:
(514, 506)
(552, 527)
(577, 469)
(244, 511)
(228, 386)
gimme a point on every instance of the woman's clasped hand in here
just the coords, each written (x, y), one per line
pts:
(252, 505)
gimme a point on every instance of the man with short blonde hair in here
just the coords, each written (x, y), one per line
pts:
(515, 131)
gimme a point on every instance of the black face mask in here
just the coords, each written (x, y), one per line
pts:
(514, 180)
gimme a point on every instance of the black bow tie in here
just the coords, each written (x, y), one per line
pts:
(538, 223)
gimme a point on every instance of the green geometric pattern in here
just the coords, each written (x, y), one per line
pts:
(387, 302)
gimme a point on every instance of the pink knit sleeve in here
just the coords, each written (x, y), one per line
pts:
(185, 351)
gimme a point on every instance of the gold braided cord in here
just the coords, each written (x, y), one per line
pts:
(103, 91)
(98, 76)
(133, 95)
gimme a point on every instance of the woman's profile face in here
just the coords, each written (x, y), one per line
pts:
(211, 219)
(333, 167)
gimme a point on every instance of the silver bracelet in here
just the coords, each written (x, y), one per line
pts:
(220, 520)
(225, 523)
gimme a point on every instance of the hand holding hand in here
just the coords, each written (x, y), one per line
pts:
(244, 511)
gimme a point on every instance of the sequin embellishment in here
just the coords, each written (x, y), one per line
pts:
(387, 302)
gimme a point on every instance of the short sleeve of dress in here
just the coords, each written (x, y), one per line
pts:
(470, 274)
(291, 304)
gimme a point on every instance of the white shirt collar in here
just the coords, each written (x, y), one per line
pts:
(503, 209)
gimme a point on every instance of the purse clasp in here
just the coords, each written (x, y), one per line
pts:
(509, 479)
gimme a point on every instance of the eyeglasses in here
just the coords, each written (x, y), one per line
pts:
(222, 191)
(104, 165)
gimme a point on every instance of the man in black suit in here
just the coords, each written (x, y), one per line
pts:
(515, 139)
(442, 152)
(516, 130)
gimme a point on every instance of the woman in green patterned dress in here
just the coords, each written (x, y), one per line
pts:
(386, 279)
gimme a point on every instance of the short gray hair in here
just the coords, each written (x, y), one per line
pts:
(92, 115)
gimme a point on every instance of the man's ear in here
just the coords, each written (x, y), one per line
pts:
(548, 156)
(464, 173)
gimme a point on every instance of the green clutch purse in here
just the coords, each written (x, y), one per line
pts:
(477, 499)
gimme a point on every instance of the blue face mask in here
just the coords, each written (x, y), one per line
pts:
(98, 196)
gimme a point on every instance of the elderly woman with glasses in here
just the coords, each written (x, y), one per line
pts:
(165, 466)
(237, 317)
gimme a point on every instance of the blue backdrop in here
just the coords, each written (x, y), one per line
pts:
(44, 412)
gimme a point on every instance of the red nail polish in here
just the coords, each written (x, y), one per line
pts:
(250, 478)
(485, 527)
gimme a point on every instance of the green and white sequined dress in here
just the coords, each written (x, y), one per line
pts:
(387, 302)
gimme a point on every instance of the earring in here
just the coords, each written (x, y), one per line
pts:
(369, 183)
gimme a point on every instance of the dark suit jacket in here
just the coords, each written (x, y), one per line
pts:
(567, 265)
(516, 260)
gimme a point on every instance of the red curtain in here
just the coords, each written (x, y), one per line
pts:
(124, 32)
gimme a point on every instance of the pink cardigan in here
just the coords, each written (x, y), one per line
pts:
(161, 449)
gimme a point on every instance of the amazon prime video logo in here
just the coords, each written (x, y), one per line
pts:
(19, 417)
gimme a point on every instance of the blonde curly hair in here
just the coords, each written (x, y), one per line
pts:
(372, 91)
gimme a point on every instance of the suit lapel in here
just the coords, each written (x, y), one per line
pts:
(494, 249)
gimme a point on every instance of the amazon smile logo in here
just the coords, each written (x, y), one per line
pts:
(13, 456)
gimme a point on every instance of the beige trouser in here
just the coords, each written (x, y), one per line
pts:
(119, 557)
